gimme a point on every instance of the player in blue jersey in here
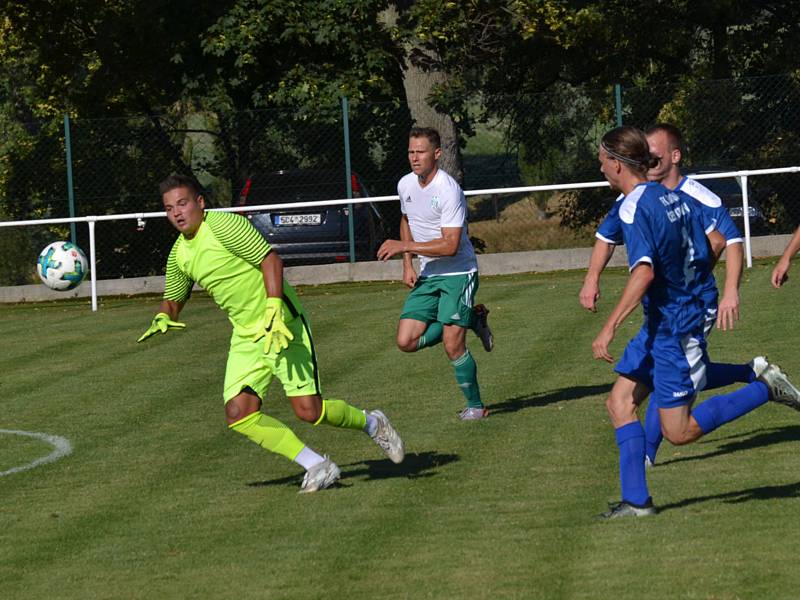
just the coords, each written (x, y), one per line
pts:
(669, 259)
(666, 147)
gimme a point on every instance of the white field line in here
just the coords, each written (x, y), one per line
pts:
(61, 447)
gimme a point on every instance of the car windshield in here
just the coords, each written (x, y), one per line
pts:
(724, 186)
(278, 188)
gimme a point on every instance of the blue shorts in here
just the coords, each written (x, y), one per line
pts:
(674, 368)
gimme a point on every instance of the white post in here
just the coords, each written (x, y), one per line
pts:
(746, 220)
(93, 265)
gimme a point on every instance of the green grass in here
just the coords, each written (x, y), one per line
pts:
(160, 500)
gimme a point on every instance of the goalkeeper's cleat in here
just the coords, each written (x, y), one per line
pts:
(781, 389)
(321, 476)
(473, 414)
(387, 438)
(481, 327)
(618, 510)
(758, 365)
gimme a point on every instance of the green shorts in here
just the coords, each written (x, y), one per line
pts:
(295, 367)
(444, 298)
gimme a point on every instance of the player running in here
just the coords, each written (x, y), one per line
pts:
(669, 259)
(271, 337)
(440, 305)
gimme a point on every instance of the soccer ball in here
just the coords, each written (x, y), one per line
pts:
(62, 266)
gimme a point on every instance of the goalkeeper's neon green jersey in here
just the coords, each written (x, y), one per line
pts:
(224, 258)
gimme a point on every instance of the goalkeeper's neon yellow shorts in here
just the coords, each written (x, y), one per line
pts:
(295, 367)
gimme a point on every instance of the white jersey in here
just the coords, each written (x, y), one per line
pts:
(439, 204)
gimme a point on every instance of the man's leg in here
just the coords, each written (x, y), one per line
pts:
(465, 370)
(413, 335)
(622, 404)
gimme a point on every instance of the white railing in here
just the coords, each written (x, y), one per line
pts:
(742, 176)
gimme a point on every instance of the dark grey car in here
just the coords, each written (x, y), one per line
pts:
(317, 234)
(730, 192)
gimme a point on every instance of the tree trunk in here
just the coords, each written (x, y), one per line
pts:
(420, 75)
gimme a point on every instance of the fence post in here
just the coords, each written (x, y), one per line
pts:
(618, 103)
(70, 188)
(348, 177)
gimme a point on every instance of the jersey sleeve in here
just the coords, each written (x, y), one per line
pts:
(177, 284)
(610, 230)
(454, 208)
(726, 227)
(638, 237)
(238, 236)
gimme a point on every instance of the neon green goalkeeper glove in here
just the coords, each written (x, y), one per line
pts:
(161, 322)
(276, 335)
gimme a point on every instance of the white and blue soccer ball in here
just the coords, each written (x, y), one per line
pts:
(62, 266)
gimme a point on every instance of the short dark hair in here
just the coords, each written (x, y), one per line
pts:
(629, 145)
(176, 180)
(427, 132)
(674, 134)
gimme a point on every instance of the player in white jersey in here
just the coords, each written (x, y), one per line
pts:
(780, 274)
(440, 307)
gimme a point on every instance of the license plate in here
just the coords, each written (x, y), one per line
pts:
(283, 220)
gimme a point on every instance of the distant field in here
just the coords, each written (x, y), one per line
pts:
(159, 500)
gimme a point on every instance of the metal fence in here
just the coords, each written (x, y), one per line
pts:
(85, 166)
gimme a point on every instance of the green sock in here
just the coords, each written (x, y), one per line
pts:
(467, 378)
(269, 433)
(338, 413)
(431, 336)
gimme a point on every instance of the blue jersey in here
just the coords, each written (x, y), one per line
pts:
(716, 215)
(610, 230)
(665, 229)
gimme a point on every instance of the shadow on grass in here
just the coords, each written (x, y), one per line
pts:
(768, 492)
(415, 466)
(769, 437)
(564, 394)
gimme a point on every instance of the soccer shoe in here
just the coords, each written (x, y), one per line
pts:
(473, 414)
(617, 510)
(758, 364)
(325, 474)
(482, 329)
(387, 438)
(781, 389)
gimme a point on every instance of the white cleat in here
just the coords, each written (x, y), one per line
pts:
(387, 438)
(324, 475)
(781, 389)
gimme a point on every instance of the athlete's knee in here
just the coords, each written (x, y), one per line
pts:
(407, 343)
(620, 409)
(681, 436)
(307, 408)
(240, 407)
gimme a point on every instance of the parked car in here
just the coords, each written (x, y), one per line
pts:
(729, 190)
(316, 234)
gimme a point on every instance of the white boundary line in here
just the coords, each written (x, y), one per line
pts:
(61, 448)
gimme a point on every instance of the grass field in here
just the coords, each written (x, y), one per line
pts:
(159, 500)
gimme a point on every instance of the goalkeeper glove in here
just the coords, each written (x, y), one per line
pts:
(161, 322)
(276, 334)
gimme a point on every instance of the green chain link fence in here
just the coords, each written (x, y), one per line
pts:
(116, 164)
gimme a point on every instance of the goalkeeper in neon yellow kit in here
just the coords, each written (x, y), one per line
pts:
(227, 256)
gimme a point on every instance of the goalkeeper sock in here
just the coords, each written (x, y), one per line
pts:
(338, 413)
(269, 433)
(431, 336)
(467, 378)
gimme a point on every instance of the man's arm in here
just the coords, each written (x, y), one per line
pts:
(272, 270)
(409, 274)
(781, 271)
(729, 305)
(447, 245)
(590, 292)
(640, 279)
(171, 308)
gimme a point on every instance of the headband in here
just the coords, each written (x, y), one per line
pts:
(620, 157)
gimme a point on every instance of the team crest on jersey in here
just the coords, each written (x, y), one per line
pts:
(435, 202)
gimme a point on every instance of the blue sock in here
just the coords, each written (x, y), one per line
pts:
(652, 431)
(721, 374)
(719, 410)
(630, 439)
